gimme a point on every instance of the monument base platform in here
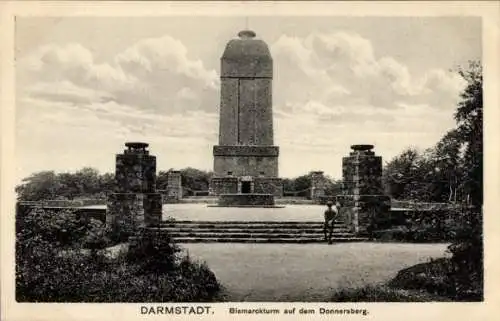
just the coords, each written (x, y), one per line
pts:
(249, 206)
(246, 200)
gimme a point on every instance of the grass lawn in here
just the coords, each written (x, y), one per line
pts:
(306, 272)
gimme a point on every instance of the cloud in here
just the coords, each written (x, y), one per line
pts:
(342, 69)
(63, 136)
(66, 91)
(327, 76)
(330, 90)
(153, 74)
(168, 80)
(164, 54)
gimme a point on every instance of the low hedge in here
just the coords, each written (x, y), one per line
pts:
(57, 261)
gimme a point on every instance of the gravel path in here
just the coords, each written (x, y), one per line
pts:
(308, 272)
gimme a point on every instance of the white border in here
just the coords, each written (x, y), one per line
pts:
(489, 11)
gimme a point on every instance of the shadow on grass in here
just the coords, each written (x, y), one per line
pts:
(433, 281)
(384, 293)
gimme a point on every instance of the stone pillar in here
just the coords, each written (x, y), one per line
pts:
(174, 185)
(318, 186)
(363, 195)
(134, 204)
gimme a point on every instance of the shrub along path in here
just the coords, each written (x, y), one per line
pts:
(306, 272)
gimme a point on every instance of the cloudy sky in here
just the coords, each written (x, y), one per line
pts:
(87, 85)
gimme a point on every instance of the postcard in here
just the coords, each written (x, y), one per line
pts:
(268, 160)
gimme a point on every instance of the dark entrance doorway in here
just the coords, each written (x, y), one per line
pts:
(245, 187)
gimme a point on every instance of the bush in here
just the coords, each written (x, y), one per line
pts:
(48, 270)
(201, 277)
(467, 260)
(151, 252)
(431, 225)
(457, 278)
(397, 233)
(96, 235)
(79, 278)
(460, 277)
(61, 228)
(430, 276)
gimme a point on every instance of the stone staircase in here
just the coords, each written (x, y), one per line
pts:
(253, 232)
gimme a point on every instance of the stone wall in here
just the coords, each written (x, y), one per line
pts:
(268, 185)
(245, 151)
(260, 185)
(71, 203)
(245, 166)
(223, 185)
(246, 200)
(246, 161)
(23, 208)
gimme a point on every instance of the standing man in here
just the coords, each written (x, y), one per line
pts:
(331, 214)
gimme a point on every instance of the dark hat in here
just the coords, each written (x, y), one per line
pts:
(329, 203)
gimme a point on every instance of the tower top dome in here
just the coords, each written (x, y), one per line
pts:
(244, 34)
(246, 56)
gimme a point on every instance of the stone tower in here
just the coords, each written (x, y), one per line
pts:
(246, 160)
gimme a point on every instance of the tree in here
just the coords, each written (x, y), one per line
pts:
(69, 186)
(401, 172)
(47, 185)
(162, 180)
(88, 181)
(39, 186)
(467, 249)
(107, 183)
(469, 117)
(333, 187)
(302, 183)
(288, 185)
(448, 165)
(195, 180)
